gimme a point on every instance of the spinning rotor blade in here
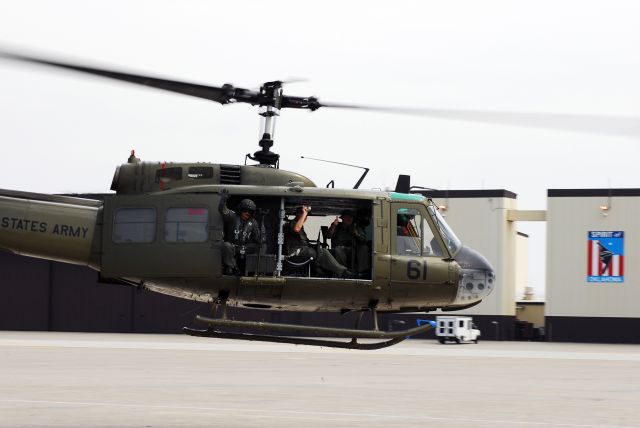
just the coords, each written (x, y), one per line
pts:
(597, 124)
(222, 95)
(270, 94)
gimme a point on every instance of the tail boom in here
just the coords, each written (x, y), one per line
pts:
(48, 227)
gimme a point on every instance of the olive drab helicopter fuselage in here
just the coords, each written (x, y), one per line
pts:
(162, 231)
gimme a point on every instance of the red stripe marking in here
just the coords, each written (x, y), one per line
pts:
(590, 258)
(621, 273)
(162, 176)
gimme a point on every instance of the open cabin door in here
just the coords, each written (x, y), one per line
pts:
(148, 236)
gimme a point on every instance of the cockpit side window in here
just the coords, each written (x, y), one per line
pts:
(414, 236)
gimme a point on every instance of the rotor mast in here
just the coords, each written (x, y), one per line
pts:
(270, 105)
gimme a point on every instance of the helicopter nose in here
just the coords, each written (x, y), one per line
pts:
(477, 277)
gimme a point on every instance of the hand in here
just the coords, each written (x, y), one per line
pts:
(224, 193)
(336, 221)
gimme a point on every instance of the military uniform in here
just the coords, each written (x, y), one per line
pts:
(238, 234)
(297, 247)
(406, 242)
(344, 239)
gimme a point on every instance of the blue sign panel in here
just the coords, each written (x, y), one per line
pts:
(605, 256)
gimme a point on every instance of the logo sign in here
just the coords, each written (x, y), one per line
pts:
(605, 256)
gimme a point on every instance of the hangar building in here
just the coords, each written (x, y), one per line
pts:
(593, 282)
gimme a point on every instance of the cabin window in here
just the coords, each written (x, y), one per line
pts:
(414, 235)
(200, 172)
(186, 225)
(169, 174)
(134, 225)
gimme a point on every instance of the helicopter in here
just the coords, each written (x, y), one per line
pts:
(162, 230)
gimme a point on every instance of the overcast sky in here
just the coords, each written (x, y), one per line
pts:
(63, 132)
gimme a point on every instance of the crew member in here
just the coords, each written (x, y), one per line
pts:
(345, 236)
(298, 246)
(241, 232)
(407, 238)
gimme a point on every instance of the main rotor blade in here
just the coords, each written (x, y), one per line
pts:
(222, 95)
(598, 124)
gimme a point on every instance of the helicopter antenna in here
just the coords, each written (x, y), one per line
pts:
(364, 174)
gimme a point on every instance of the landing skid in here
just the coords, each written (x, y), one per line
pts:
(388, 338)
(294, 340)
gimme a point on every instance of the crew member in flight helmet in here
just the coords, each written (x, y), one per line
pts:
(297, 245)
(240, 230)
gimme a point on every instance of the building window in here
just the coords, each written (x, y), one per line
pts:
(186, 225)
(134, 225)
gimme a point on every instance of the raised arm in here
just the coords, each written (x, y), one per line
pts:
(222, 206)
(297, 227)
(332, 228)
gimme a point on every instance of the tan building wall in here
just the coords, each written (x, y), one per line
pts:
(571, 215)
(532, 312)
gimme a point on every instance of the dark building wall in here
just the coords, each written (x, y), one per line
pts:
(592, 329)
(80, 303)
(157, 313)
(43, 295)
(40, 295)
(24, 293)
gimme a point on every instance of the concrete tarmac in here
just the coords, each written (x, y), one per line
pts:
(117, 380)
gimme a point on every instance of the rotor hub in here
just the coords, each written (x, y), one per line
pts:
(266, 157)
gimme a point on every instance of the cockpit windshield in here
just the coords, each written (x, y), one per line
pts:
(450, 239)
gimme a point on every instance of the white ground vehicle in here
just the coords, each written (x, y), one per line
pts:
(456, 329)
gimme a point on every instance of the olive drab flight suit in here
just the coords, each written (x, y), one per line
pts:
(344, 239)
(297, 245)
(237, 235)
